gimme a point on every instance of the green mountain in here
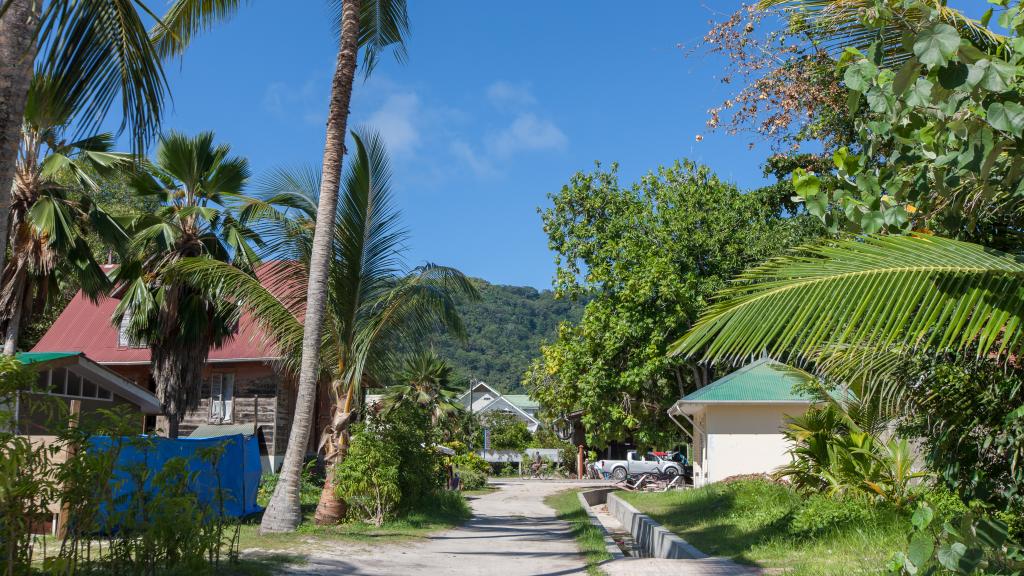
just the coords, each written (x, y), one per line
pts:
(504, 331)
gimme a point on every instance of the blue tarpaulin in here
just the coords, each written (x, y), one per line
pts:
(239, 468)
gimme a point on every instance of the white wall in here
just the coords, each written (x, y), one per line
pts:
(741, 439)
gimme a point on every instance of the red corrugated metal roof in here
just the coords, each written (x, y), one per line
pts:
(85, 326)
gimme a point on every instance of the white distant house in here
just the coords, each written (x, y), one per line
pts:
(481, 399)
(737, 420)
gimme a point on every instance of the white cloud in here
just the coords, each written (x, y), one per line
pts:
(527, 133)
(396, 120)
(479, 165)
(306, 101)
(504, 94)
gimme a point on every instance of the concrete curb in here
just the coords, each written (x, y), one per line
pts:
(599, 496)
(654, 538)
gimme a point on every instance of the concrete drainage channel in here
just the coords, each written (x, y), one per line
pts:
(629, 533)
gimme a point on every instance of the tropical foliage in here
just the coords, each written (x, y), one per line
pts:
(203, 214)
(646, 259)
(53, 210)
(426, 381)
(375, 305)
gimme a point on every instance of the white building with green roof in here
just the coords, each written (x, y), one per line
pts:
(737, 420)
(481, 399)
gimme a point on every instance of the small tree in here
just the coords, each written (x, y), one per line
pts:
(507, 432)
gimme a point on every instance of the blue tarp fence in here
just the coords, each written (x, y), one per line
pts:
(239, 468)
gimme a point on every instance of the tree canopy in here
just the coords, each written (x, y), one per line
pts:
(648, 257)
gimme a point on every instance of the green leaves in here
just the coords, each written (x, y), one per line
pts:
(858, 76)
(1007, 116)
(935, 45)
(872, 291)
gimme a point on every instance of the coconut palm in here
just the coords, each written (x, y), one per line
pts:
(373, 25)
(103, 50)
(52, 212)
(866, 300)
(426, 381)
(203, 214)
(374, 305)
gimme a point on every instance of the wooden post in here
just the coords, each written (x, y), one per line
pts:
(65, 508)
(579, 463)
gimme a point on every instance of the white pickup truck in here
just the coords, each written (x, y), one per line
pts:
(634, 463)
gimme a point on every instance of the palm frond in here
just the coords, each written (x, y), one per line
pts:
(838, 24)
(383, 24)
(186, 19)
(100, 51)
(874, 292)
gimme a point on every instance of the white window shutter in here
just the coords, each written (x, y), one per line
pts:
(216, 397)
(228, 395)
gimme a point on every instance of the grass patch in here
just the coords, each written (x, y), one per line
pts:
(589, 538)
(445, 510)
(772, 526)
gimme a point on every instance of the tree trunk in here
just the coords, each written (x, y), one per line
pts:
(284, 512)
(177, 365)
(331, 509)
(17, 55)
(22, 300)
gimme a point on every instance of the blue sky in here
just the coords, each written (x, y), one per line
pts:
(498, 105)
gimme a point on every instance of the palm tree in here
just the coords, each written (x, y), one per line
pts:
(102, 49)
(425, 380)
(373, 307)
(203, 214)
(867, 300)
(49, 222)
(372, 25)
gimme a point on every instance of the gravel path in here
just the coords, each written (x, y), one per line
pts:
(512, 533)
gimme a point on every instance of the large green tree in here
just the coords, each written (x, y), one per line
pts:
(648, 257)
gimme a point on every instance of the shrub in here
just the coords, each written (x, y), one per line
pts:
(472, 479)
(311, 484)
(821, 514)
(471, 461)
(368, 478)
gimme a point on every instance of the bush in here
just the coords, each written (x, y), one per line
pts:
(821, 514)
(311, 484)
(368, 478)
(472, 479)
(471, 461)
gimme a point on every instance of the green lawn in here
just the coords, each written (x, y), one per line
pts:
(771, 526)
(437, 514)
(589, 538)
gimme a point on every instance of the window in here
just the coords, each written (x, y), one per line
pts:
(64, 382)
(124, 340)
(222, 394)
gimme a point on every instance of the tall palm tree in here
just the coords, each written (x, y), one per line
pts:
(50, 220)
(373, 307)
(103, 49)
(372, 25)
(425, 380)
(203, 214)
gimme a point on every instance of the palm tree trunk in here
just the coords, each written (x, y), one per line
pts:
(22, 300)
(284, 511)
(17, 55)
(331, 509)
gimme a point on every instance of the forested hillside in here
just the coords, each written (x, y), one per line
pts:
(504, 332)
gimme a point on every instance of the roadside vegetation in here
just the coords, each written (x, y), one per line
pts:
(772, 525)
(589, 538)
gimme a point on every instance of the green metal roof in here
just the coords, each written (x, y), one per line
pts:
(762, 381)
(522, 401)
(37, 357)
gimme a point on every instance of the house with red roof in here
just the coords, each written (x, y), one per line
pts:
(242, 391)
